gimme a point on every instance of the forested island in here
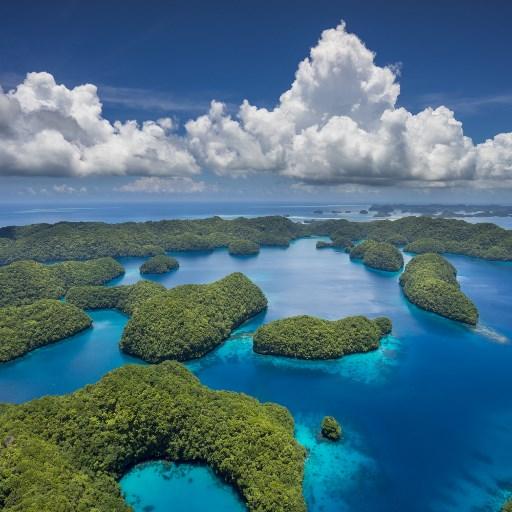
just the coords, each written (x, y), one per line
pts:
(308, 337)
(430, 282)
(24, 282)
(87, 240)
(188, 321)
(378, 255)
(68, 452)
(126, 298)
(331, 429)
(243, 248)
(30, 315)
(159, 264)
(425, 245)
(338, 242)
(24, 328)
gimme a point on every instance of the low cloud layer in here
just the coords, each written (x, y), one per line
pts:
(337, 123)
(156, 185)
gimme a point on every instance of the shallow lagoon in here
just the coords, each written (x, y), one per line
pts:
(162, 486)
(427, 417)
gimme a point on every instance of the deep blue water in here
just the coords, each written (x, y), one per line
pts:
(427, 418)
(20, 213)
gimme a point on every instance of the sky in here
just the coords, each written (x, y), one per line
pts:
(265, 100)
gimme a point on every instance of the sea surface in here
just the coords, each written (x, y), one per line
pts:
(14, 214)
(427, 418)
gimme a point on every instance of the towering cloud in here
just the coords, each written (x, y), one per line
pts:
(337, 123)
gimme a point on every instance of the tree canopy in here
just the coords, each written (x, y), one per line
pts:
(430, 282)
(87, 240)
(24, 328)
(378, 255)
(308, 337)
(330, 428)
(190, 320)
(66, 453)
(159, 264)
(126, 298)
(243, 248)
(24, 282)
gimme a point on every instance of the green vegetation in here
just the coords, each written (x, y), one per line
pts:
(243, 248)
(24, 328)
(125, 298)
(338, 242)
(83, 240)
(181, 323)
(430, 282)
(307, 337)
(66, 453)
(482, 240)
(24, 282)
(507, 507)
(331, 429)
(384, 324)
(188, 321)
(379, 255)
(92, 272)
(424, 245)
(159, 264)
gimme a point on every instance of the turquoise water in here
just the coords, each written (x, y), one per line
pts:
(69, 364)
(427, 418)
(163, 486)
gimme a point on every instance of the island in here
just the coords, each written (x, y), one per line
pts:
(331, 429)
(338, 242)
(25, 328)
(378, 255)
(308, 337)
(90, 240)
(24, 282)
(243, 248)
(430, 282)
(126, 298)
(159, 264)
(69, 452)
(181, 323)
(424, 245)
(321, 244)
(188, 321)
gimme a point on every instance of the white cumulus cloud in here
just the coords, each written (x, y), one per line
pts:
(338, 123)
(48, 129)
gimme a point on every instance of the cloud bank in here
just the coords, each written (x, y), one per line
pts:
(156, 185)
(337, 123)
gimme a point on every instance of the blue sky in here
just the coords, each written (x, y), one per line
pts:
(157, 59)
